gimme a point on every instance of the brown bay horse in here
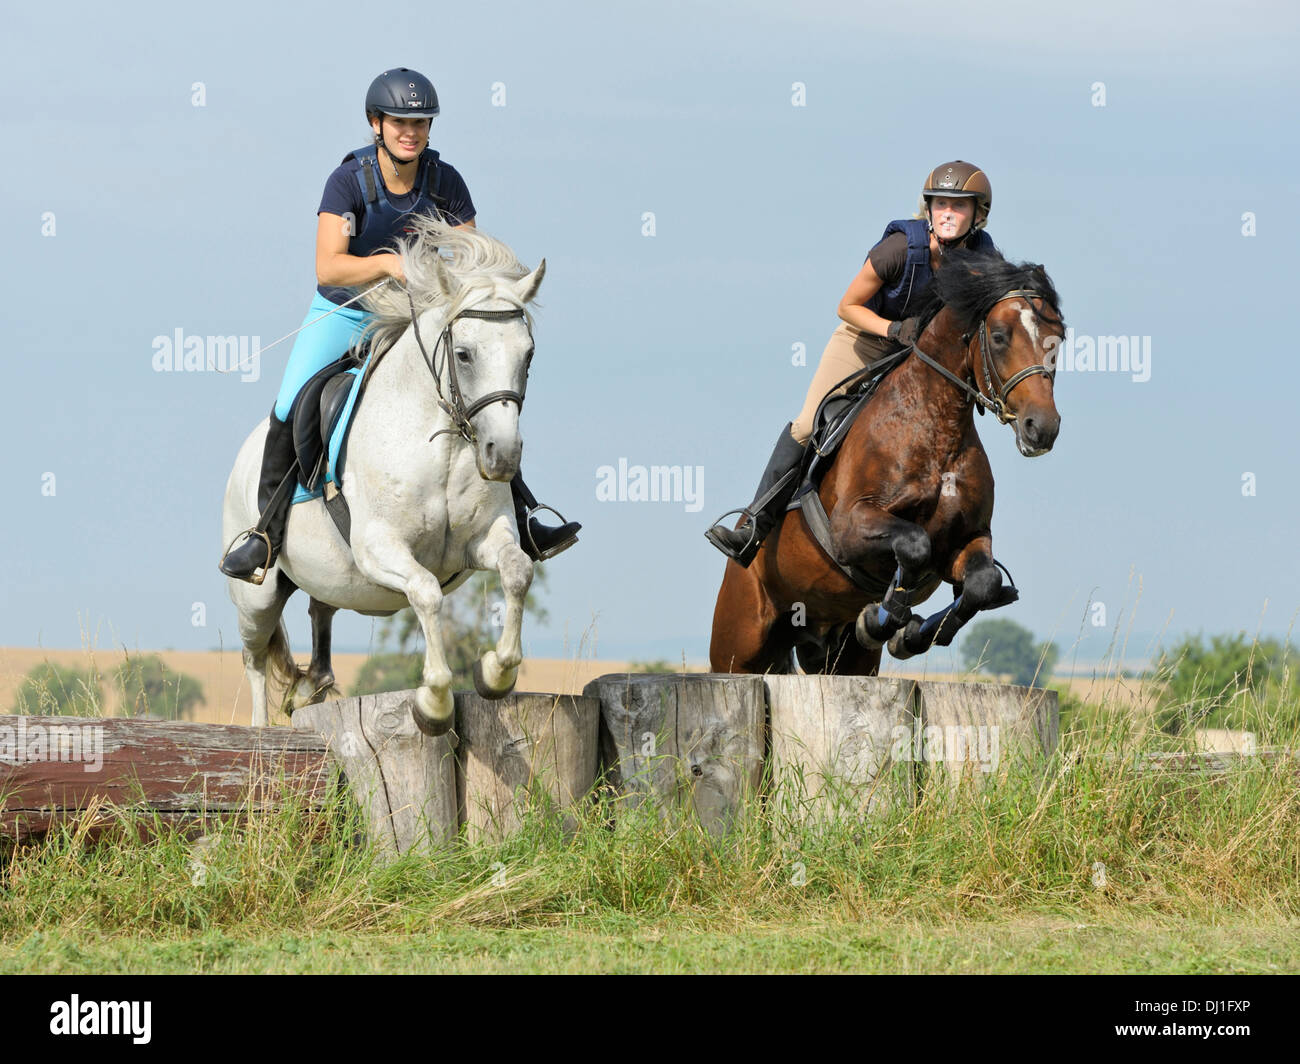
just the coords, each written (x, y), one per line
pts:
(909, 494)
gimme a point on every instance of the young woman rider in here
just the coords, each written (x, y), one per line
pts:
(877, 315)
(363, 210)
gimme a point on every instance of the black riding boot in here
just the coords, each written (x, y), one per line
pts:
(538, 540)
(274, 494)
(780, 479)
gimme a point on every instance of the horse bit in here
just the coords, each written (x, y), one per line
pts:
(998, 404)
(456, 409)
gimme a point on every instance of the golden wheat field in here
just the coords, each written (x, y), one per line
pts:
(226, 695)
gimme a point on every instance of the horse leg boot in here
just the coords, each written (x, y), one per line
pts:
(262, 544)
(982, 590)
(539, 541)
(878, 622)
(778, 484)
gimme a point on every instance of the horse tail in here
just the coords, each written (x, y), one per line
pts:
(281, 669)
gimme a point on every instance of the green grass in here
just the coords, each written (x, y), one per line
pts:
(690, 945)
(1200, 874)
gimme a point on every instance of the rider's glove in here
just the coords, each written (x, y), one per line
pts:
(904, 331)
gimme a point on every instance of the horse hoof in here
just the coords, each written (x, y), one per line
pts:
(486, 689)
(898, 647)
(433, 715)
(865, 639)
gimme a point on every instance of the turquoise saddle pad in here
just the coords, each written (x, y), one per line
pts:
(338, 441)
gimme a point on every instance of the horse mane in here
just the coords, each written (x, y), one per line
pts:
(968, 283)
(476, 265)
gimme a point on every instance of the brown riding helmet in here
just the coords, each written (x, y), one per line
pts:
(960, 179)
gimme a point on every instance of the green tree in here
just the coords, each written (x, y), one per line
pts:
(1001, 647)
(149, 689)
(50, 690)
(471, 617)
(1216, 685)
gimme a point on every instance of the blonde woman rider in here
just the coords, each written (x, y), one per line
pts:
(878, 316)
(364, 209)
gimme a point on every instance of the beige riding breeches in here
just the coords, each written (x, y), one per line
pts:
(848, 351)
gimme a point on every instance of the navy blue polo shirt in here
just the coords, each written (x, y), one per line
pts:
(343, 195)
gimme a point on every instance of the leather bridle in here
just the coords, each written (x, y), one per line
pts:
(453, 403)
(996, 400)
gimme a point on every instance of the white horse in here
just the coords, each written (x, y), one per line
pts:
(456, 343)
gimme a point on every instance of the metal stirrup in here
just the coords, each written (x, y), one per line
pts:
(542, 555)
(254, 577)
(751, 524)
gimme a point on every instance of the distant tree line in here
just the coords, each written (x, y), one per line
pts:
(143, 684)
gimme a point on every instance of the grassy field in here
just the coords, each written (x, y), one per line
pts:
(1090, 862)
(1085, 865)
(1027, 945)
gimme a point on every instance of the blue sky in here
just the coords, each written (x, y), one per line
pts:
(673, 349)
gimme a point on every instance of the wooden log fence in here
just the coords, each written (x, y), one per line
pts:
(184, 773)
(693, 741)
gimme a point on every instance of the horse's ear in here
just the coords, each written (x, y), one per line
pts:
(443, 279)
(526, 287)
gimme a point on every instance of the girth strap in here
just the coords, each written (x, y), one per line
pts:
(814, 515)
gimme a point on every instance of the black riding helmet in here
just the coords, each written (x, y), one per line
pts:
(402, 92)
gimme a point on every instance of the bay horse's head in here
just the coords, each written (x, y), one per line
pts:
(1010, 319)
(465, 302)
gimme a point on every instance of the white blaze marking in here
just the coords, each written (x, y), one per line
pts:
(1030, 324)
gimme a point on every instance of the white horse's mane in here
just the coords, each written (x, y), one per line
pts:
(475, 265)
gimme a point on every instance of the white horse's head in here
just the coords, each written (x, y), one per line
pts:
(469, 294)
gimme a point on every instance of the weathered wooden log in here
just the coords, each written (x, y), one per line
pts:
(51, 767)
(974, 731)
(692, 740)
(840, 745)
(520, 749)
(403, 780)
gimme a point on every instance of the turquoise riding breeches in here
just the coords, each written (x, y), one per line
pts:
(318, 344)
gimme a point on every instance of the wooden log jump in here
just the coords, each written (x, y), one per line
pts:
(417, 790)
(404, 780)
(52, 767)
(519, 749)
(841, 744)
(975, 731)
(694, 739)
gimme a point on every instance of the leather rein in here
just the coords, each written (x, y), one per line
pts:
(453, 403)
(996, 400)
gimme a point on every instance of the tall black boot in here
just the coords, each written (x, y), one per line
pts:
(778, 484)
(538, 540)
(253, 558)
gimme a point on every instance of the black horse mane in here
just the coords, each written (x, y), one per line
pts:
(968, 283)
